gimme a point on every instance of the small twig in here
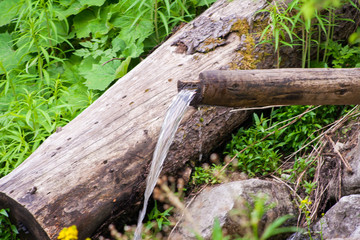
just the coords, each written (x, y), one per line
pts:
(319, 151)
(293, 191)
(112, 60)
(255, 108)
(273, 132)
(297, 116)
(336, 150)
(287, 185)
(336, 125)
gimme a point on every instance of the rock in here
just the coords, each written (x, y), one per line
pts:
(342, 220)
(220, 201)
(351, 181)
(343, 239)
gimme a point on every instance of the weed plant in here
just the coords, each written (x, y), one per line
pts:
(7, 230)
(58, 56)
(307, 24)
(158, 219)
(207, 175)
(264, 156)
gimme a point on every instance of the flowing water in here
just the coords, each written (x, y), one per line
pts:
(171, 123)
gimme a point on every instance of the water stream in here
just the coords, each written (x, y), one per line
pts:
(171, 123)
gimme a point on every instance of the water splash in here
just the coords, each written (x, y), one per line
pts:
(171, 123)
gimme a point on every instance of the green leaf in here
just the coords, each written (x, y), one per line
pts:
(82, 52)
(122, 69)
(94, 21)
(134, 50)
(14, 229)
(8, 11)
(134, 36)
(92, 2)
(118, 44)
(205, 2)
(256, 119)
(217, 232)
(4, 213)
(100, 76)
(82, 23)
(8, 57)
(63, 11)
(274, 228)
(165, 22)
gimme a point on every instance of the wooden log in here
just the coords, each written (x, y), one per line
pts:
(93, 170)
(296, 86)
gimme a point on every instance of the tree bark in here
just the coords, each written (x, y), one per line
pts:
(289, 86)
(94, 169)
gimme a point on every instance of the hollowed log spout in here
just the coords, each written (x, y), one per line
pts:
(251, 88)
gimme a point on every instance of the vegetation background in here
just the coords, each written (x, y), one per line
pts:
(59, 56)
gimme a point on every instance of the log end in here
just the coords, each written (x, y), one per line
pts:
(25, 222)
(191, 85)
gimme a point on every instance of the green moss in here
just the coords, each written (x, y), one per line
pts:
(246, 57)
(241, 26)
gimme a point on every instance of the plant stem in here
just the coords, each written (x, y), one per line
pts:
(155, 19)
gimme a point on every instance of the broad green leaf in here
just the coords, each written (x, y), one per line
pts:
(65, 3)
(118, 44)
(92, 2)
(87, 44)
(75, 97)
(66, 11)
(141, 28)
(134, 50)
(100, 76)
(81, 23)
(205, 2)
(82, 52)
(8, 56)
(86, 65)
(14, 229)
(94, 21)
(135, 36)
(123, 68)
(8, 10)
(4, 213)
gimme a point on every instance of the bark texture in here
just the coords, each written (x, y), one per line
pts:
(290, 86)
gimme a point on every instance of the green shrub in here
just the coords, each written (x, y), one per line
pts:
(265, 141)
(7, 230)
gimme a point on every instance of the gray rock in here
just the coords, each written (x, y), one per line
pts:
(351, 181)
(219, 201)
(342, 220)
(343, 239)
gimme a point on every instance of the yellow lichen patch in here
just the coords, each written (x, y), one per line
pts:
(210, 41)
(245, 58)
(241, 26)
(210, 44)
